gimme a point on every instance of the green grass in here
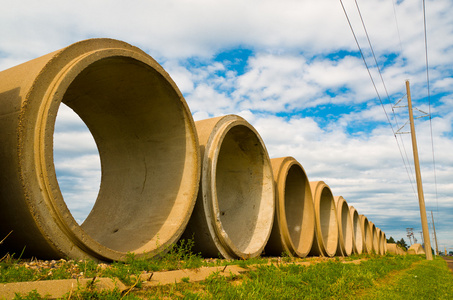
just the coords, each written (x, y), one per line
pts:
(426, 280)
(376, 277)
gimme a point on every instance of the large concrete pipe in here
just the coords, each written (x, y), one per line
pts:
(374, 238)
(385, 243)
(147, 145)
(357, 234)
(235, 207)
(294, 220)
(380, 241)
(325, 241)
(395, 250)
(416, 249)
(344, 227)
(367, 236)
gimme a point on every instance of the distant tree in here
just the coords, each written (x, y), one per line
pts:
(391, 240)
(402, 243)
(451, 252)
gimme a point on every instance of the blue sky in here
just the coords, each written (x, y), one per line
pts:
(293, 70)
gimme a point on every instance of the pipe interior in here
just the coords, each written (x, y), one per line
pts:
(357, 232)
(140, 129)
(298, 217)
(328, 221)
(375, 239)
(368, 236)
(347, 230)
(244, 187)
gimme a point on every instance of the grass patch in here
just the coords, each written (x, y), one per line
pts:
(327, 280)
(376, 277)
(426, 280)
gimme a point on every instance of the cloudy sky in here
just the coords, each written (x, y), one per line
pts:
(293, 70)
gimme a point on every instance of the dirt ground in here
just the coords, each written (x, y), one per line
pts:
(449, 260)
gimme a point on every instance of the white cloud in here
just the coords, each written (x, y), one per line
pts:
(335, 127)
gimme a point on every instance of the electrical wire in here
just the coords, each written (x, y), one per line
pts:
(429, 103)
(377, 93)
(385, 88)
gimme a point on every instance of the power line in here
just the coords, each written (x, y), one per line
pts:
(429, 102)
(375, 88)
(385, 88)
(397, 27)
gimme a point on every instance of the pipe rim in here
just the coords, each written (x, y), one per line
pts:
(357, 235)
(344, 224)
(296, 244)
(367, 237)
(322, 196)
(225, 241)
(68, 235)
(374, 238)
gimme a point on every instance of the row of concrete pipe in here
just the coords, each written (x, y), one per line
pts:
(164, 176)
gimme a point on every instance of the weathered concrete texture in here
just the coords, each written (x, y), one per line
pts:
(357, 236)
(344, 227)
(381, 241)
(374, 238)
(147, 144)
(385, 243)
(367, 236)
(416, 249)
(56, 289)
(394, 249)
(325, 241)
(294, 220)
(235, 207)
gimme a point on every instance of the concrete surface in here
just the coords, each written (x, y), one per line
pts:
(234, 212)
(147, 144)
(325, 241)
(394, 249)
(357, 236)
(294, 220)
(55, 289)
(416, 249)
(374, 238)
(344, 227)
(367, 236)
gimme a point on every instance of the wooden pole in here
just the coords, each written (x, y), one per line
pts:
(435, 236)
(421, 198)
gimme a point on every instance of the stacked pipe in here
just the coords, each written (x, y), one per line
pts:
(164, 176)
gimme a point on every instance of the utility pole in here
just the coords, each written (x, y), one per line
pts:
(421, 198)
(435, 237)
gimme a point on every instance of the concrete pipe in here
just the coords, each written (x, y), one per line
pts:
(357, 234)
(147, 145)
(235, 206)
(294, 220)
(374, 238)
(380, 241)
(325, 241)
(385, 243)
(367, 236)
(416, 249)
(393, 249)
(344, 227)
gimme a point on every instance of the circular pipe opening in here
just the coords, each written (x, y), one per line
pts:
(147, 145)
(136, 119)
(357, 231)
(243, 191)
(345, 227)
(374, 238)
(326, 218)
(367, 235)
(299, 210)
(294, 222)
